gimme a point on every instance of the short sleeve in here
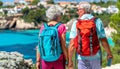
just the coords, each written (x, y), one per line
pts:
(42, 27)
(73, 31)
(62, 29)
(100, 28)
(37, 49)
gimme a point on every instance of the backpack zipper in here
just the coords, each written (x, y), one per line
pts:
(52, 48)
(91, 41)
(42, 46)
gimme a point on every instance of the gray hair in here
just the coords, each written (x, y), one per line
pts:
(85, 5)
(53, 12)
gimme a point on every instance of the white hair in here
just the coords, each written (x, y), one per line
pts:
(53, 11)
(85, 5)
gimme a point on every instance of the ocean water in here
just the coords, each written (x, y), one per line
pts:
(25, 42)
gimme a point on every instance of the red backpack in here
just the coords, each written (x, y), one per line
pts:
(86, 42)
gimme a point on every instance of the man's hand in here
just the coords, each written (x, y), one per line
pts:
(109, 56)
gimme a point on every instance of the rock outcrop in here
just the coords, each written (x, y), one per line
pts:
(14, 60)
(16, 23)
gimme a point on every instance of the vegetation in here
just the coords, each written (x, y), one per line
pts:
(5, 12)
(1, 3)
(33, 15)
(103, 4)
(35, 2)
(25, 11)
(36, 16)
(7, 6)
(105, 17)
(115, 23)
(50, 2)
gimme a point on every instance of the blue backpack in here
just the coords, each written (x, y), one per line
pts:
(49, 43)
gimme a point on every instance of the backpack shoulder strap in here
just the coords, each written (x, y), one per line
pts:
(94, 19)
(57, 25)
(45, 25)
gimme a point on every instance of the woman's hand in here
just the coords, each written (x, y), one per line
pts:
(38, 65)
(70, 65)
(38, 61)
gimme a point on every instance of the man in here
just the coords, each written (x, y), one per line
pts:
(89, 61)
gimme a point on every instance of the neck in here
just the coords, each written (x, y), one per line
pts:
(52, 22)
(80, 16)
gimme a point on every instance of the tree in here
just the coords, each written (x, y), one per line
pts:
(25, 11)
(65, 18)
(115, 23)
(5, 12)
(35, 2)
(35, 16)
(50, 2)
(101, 1)
(1, 3)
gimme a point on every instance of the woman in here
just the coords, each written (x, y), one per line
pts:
(54, 15)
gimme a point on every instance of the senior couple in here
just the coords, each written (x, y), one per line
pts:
(93, 61)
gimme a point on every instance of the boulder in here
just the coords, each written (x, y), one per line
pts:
(14, 60)
(20, 24)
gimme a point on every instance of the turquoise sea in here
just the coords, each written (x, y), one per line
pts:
(25, 42)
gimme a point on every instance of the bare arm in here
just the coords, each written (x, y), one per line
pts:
(38, 61)
(64, 48)
(106, 47)
(70, 54)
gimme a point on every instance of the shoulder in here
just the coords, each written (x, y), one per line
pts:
(42, 26)
(98, 22)
(74, 22)
(61, 26)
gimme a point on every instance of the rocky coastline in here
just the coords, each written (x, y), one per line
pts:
(16, 24)
(14, 60)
